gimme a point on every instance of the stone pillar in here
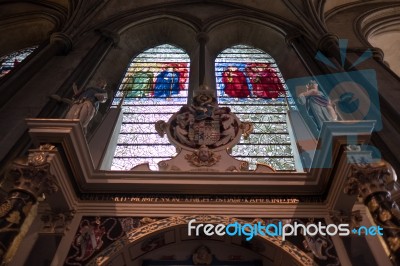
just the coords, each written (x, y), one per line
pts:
(202, 38)
(31, 179)
(372, 181)
(59, 43)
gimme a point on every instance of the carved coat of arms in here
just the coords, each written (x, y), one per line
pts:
(204, 123)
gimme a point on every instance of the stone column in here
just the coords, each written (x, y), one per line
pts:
(372, 181)
(59, 43)
(31, 179)
(202, 38)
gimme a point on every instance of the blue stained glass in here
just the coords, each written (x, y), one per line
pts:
(154, 87)
(8, 62)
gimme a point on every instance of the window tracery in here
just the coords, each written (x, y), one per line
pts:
(8, 62)
(154, 87)
(250, 83)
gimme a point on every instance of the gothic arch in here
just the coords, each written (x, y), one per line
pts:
(297, 257)
(237, 30)
(380, 28)
(28, 28)
(154, 31)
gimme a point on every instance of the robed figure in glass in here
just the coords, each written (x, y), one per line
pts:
(235, 83)
(264, 81)
(167, 83)
(139, 84)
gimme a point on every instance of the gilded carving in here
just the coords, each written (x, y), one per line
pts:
(142, 232)
(5, 207)
(31, 178)
(354, 218)
(14, 217)
(373, 182)
(56, 222)
(203, 157)
(247, 128)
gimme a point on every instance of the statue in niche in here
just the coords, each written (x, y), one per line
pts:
(85, 103)
(319, 107)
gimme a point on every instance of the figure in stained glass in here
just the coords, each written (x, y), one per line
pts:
(264, 80)
(8, 62)
(319, 107)
(259, 77)
(182, 69)
(139, 84)
(235, 83)
(167, 83)
(151, 98)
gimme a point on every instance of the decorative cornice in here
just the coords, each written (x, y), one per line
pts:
(32, 175)
(68, 135)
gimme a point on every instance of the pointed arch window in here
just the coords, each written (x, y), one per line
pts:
(154, 87)
(8, 62)
(250, 83)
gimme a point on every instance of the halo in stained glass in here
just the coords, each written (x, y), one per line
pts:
(251, 84)
(154, 87)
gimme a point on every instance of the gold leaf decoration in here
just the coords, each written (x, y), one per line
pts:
(14, 217)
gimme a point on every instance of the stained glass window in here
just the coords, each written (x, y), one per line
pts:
(8, 62)
(250, 83)
(154, 87)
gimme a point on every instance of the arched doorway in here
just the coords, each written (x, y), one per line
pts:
(167, 241)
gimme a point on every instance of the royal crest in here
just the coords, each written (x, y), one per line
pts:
(204, 123)
(205, 132)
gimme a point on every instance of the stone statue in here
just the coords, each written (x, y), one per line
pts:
(85, 103)
(319, 107)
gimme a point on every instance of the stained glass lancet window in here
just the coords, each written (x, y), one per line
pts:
(8, 62)
(250, 83)
(154, 87)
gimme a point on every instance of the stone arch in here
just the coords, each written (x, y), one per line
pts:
(380, 28)
(239, 30)
(154, 31)
(29, 27)
(297, 256)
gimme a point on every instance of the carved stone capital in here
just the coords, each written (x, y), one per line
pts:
(32, 175)
(111, 35)
(202, 37)
(352, 218)
(56, 222)
(328, 44)
(63, 40)
(367, 179)
(377, 54)
(291, 37)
